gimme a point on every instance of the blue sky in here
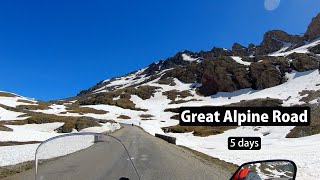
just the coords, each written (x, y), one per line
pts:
(53, 49)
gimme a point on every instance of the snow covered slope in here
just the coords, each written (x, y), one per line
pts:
(14, 129)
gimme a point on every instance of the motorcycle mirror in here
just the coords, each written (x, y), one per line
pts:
(266, 170)
(84, 156)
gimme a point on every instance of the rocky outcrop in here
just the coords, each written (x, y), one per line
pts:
(274, 40)
(315, 49)
(188, 73)
(313, 30)
(303, 62)
(223, 74)
(239, 50)
(171, 62)
(264, 75)
(251, 49)
(281, 63)
(215, 52)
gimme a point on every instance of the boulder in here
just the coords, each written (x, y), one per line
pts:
(223, 74)
(315, 49)
(303, 62)
(265, 75)
(280, 62)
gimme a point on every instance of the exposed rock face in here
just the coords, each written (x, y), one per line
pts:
(304, 62)
(313, 30)
(239, 50)
(315, 49)
(215, 52)
(274, 41)
(223, 74)
(167, 80)
(265, 75)
(172, 62)
(251, 49)
(187, 74)
(281, 63)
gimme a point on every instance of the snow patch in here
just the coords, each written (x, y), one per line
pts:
(239, 60)
(10, 115)
(185, 57)
(107, 127)
(301, 49)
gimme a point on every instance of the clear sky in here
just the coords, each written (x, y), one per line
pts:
(51, 49)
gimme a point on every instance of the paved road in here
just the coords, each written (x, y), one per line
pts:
(153, 158)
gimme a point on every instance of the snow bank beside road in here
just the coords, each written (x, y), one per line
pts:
(30, 132)
(10, 155)
(107, 127)
(303, 151)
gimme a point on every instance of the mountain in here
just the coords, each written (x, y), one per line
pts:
(283, 70)
(221, 70)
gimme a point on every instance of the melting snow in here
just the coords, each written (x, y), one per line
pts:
(188, 58)
(302, 49)
(10, 115)
(239, 60)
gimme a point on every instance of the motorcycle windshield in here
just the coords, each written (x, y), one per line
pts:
(83, 156)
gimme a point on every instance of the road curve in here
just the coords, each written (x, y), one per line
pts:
(153, 158)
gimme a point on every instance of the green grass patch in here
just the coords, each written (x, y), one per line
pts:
(202, 131)
(14, 169)
(229, 167)
(260, 102)
(146, 115)
(25, 101)
(14, 143)
(5, 94)
(84, 110)
(70, 123)
(124, 117)
(39, 106)
(314, 128)
(174, 94)
(144, 92)
(5, 128)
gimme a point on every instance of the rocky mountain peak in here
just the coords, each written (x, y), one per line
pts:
(274, 40)
(224, 70)
(239, 50)
(313, 30)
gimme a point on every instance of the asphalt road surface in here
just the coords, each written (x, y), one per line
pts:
(153, 158)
